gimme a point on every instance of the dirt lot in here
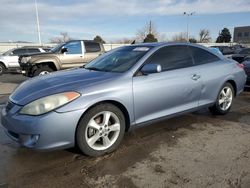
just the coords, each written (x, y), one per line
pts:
(194, 150)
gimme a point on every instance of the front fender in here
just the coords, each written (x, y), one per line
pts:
(120, 93)
(54, 60)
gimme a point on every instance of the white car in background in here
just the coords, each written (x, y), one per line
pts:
(9, 59)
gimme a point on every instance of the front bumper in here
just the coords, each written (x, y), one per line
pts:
(25, 68)
(46, 132)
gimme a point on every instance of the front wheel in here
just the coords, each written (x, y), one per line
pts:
(42, 70)
(101, 130)
(224, 100)
(2, 69)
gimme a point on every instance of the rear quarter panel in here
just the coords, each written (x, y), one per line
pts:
(214, 75)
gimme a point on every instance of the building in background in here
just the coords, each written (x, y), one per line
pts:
(242, 34)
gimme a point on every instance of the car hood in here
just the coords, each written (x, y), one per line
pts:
(37, 54)
(61, 81)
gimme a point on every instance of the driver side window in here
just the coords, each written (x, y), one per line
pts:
(172, 57)
(73, 47)
(19, 52)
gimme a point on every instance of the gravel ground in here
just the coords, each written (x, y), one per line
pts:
(193, 150)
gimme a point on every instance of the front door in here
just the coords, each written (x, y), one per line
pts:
(175, 89)
(74, 55)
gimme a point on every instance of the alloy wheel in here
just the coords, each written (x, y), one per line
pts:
(44, 72)
(225, 98)
(102, 130)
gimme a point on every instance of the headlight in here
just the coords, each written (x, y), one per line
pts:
(49, 103)
(25, 59)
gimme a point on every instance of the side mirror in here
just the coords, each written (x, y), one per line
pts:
(63, 50)
(151, 68)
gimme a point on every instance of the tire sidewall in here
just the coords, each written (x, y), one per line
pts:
(218, 108)
(41, 69)
(2, 69)
(82, 125)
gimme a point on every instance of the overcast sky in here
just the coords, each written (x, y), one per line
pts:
(114, 19)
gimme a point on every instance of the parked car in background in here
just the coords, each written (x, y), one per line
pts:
(225, 50)
(242, 55)
(47, 49)
(91, 107)
(71, 54)
(9, 59)
(216, 50)
(236, 48)
(246, 64)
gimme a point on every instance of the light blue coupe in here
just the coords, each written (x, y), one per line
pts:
(92, 107)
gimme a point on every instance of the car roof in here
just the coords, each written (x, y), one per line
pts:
(160, 44)
(34, 47)
(80, 40)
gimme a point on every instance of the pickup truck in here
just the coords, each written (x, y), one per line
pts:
(9, 59)
(74, 53)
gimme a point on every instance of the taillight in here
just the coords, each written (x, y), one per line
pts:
(241, 65)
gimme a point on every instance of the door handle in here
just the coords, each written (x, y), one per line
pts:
(195, 77)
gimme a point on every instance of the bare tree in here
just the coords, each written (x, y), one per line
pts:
(204, 36)
(123, 41)
(64, 37)
(149, 28)
(180, 37)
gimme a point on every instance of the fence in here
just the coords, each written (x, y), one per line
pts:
(6, 46)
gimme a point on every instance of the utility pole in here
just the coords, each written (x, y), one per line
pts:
(150, 27)
(188, 14)
(38, 24)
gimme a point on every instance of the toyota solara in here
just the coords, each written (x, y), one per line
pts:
(93, 106)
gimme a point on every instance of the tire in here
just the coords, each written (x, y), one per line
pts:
(224, 101)
(94, 137)
(42, 70)
(2, 69)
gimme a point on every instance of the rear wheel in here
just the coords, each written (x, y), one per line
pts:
(101, 130)
(42, 70)
(2, 69)
(224, 100)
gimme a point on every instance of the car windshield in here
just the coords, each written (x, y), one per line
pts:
(119, 60)
(57, 48)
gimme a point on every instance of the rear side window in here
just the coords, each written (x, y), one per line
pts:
(92, 47)
(202, 56)
(33, 50)
(172, 57)
(20, 51)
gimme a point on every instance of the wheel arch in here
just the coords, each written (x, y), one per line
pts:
(233, 83)
(50, 64)
(115, 103)
(2, 63)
